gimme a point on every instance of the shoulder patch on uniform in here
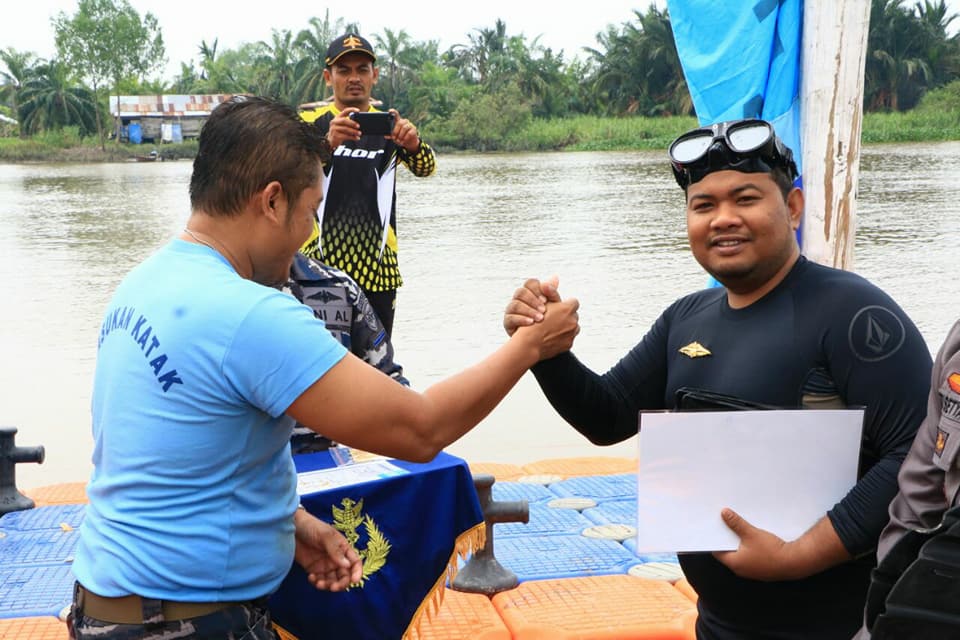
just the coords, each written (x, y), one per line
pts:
(954, 382)
(949, 405)
(325, 295)
(876, 333)
(942, 437)
(695, 350)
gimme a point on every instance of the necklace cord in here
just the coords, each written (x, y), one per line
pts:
(190, 233)
(222, 250)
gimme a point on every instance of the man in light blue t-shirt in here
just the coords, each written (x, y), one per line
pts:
(203, 368)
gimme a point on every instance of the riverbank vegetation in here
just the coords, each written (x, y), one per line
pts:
(930, 121)
(494, 92)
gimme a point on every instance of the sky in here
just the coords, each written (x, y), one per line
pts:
(185, 24)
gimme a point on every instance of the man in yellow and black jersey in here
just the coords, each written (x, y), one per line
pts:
(356, 229)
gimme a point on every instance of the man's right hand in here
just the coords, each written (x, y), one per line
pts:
(330, 562)
(343, 128)
(558, 329)
(539, 314)
(529, 303)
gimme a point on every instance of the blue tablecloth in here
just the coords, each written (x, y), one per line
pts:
(409, 527)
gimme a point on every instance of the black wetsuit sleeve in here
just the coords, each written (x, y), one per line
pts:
(893, 388)
(585, 400)
(605, 408)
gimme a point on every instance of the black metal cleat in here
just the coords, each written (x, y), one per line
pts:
(10, 498)
(482, 573)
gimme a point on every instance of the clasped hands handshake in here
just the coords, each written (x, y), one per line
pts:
(760, 555)
(537, 306)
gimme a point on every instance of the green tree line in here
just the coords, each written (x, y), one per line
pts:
(469, 95)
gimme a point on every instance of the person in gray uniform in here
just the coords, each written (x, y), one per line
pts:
(929, 486)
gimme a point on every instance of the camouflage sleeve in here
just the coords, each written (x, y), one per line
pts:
(422, 163)
(369, 340)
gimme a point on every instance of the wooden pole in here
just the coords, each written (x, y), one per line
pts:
(831, 111)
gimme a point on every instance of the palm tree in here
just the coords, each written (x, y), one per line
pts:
(942, 51)
(240, 70)
(276, 63)
(52, 99)
(664, 81)
(187, 81)
(392, 45)
(208, 58)
(21, 65)
(895, 65)
(311, 52)
(617, 82)
(540, 77)
(435, 93)
(215, 75)
(639, 70)
(476, 60)
(311, 45)
(428, 87)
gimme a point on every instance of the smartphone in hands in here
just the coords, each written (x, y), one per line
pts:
(374, 123)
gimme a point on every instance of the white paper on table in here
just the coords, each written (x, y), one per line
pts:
(324, 479)
(781, 470)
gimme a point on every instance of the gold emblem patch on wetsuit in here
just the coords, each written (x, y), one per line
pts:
(695, 350)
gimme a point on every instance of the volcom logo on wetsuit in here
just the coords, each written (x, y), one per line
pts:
(875, 333)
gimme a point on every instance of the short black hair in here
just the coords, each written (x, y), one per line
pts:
(247, 143)
(779, 176)
(783, 180)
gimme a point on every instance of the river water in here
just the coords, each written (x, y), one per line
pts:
(610, 224)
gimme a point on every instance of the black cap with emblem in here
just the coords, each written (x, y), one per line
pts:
(348, 43)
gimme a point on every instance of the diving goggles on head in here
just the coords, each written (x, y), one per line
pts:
(750, 146)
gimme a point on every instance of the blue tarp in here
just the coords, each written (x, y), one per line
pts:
(134, 133)
(742, 60)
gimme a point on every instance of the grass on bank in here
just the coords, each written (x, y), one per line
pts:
(912, 126)
(936, 119)
(592, 133)
(67, 145)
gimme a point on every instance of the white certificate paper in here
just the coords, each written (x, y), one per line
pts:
(332, 478)
(781, 470)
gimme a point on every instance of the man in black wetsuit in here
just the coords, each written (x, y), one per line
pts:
(781, 331)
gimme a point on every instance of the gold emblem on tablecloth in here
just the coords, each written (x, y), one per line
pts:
(695, 350)
(347, 520)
